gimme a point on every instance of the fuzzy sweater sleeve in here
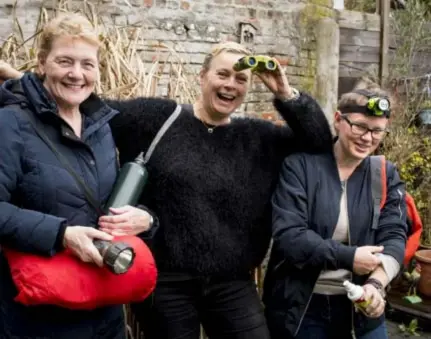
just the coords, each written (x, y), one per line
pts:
(307, 131)
(137, 124)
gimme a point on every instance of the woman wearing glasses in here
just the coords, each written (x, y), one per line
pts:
(323, 232)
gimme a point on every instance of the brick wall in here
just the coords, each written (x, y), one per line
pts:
(192, 26)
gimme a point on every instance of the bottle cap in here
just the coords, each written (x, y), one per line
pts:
(354, 292)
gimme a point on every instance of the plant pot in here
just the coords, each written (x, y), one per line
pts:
(423, 257)
(424, 246)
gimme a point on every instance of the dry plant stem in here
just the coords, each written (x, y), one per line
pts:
(124, 73)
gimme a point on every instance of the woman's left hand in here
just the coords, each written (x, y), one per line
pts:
(377, 306)
(126, 220)
(277, 82)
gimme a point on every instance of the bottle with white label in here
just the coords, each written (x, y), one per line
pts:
(356, 294)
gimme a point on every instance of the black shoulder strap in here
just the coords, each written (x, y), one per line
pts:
(376, 187)
(39, 131)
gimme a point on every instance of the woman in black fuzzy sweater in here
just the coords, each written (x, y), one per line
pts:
(210, 182)
(211, 179)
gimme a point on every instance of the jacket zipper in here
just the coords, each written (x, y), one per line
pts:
(315, 283)
(399, 203)
(351, 274)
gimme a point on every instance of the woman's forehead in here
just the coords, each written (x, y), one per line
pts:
(367, 120)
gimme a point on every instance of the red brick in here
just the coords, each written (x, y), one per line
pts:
(185, 5)
(148, 3)
(269, 116)
(283, 61)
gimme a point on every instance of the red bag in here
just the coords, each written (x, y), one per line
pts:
(64, 280)
(414, 221)
(415, 229)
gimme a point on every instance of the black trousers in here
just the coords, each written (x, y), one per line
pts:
(227, 309)
(100, 324)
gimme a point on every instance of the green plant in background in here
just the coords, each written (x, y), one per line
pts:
(411, 329)
(408, 145)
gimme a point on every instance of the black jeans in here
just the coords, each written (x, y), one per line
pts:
(227, 309)
(327, 317)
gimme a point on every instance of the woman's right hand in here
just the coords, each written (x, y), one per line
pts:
(8, 72)
(79, 240)
(365, 260)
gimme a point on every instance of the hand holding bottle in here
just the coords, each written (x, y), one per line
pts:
(366, 299)
(377, 303)
(126, 220)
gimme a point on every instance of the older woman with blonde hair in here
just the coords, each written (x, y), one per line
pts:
(42, 210)
(210, 182)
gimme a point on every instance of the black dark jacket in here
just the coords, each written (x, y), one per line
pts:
(212, 191)
(305, 212)
(38, 197)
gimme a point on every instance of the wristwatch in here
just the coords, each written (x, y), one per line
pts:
(295, 94)
(377, 285)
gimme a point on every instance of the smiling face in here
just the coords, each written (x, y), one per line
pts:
(223, 89)
(355, 136)
(71, 69)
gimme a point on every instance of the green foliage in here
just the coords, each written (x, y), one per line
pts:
(408, 146)
(367, 6)
(411, 329)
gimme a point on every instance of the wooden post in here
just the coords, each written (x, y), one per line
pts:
(378, 6)
(327, 65)
(384, 40)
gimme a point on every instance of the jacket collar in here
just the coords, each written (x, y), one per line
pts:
(363, 165)
(29, 91)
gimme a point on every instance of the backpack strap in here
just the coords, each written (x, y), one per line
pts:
(378, 186)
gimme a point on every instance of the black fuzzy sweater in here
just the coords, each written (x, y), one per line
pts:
(211, 192)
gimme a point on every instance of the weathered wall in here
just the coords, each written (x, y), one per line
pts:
(360, 49)
(285, 29)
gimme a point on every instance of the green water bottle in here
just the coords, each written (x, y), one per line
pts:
(129, 185)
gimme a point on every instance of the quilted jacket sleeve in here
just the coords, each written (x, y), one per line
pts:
(21, 229)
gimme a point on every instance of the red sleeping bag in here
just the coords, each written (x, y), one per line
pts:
(64, 280)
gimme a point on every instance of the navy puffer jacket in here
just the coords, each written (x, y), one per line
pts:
(38, 197)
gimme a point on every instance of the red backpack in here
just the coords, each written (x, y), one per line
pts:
(379, 192)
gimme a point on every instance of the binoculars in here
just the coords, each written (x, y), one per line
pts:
(257, 63)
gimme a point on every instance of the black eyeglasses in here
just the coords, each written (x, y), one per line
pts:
(361, 130)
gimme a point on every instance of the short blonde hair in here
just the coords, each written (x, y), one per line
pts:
(352, 98)
(66, 25)
(229, 47)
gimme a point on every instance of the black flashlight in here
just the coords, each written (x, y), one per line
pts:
(117, 256)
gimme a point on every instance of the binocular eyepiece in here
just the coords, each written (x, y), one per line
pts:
(117, 256)
(258, 63)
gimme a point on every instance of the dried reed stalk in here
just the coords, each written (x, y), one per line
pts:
(123, 72)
